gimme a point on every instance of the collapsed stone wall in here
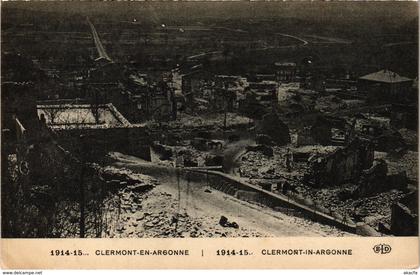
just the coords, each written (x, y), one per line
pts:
(342, 165)
(404, 216)
(250, 193)
(376, 179)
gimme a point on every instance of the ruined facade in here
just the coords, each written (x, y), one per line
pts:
(342, 165)
(404, 216)
(329, 130)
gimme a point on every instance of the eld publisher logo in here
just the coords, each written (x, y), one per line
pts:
(382, 248)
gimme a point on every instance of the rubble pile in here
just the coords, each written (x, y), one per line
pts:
(232, 119)
(329, 104)
(122, 190)
(256, 164)
(117, 177)
(408, 162)
(410, 137)
(341, 202)
(188, 156)
(65, 226)
(193, 157)
(157, 214)
(359, 209)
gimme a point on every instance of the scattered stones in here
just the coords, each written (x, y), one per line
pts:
(340, 200)
(225, 223)
(149, 224)
(140, 217)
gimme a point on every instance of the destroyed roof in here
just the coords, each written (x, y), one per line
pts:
(385, 76)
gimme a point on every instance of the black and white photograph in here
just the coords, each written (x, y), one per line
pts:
(209, 119)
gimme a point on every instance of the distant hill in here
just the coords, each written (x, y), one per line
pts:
(321, 12)
(349, 20)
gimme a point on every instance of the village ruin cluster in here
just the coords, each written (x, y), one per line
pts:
(136, 124)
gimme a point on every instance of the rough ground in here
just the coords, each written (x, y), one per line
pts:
(371, 210)
(232, 119)
(407, 162)
(192, 209)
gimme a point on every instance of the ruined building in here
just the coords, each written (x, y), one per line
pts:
(404, 216)
(285, 71)
(98, 129)
(385, 85)
(330, 130)
(340, 166)
(272, 126)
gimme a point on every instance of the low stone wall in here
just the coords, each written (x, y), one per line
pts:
(244, 191)
(248, 192)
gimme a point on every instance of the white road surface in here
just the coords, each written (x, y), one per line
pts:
(197, 203)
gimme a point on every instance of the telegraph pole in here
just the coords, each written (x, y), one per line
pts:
(82, 189)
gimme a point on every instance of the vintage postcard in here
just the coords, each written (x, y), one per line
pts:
(149, 134)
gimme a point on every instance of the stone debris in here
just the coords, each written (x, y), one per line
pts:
(225, 223)
(117, 177)
(167, 220)
(337, 201)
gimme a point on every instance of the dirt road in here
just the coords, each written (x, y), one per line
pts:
(205, 205)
